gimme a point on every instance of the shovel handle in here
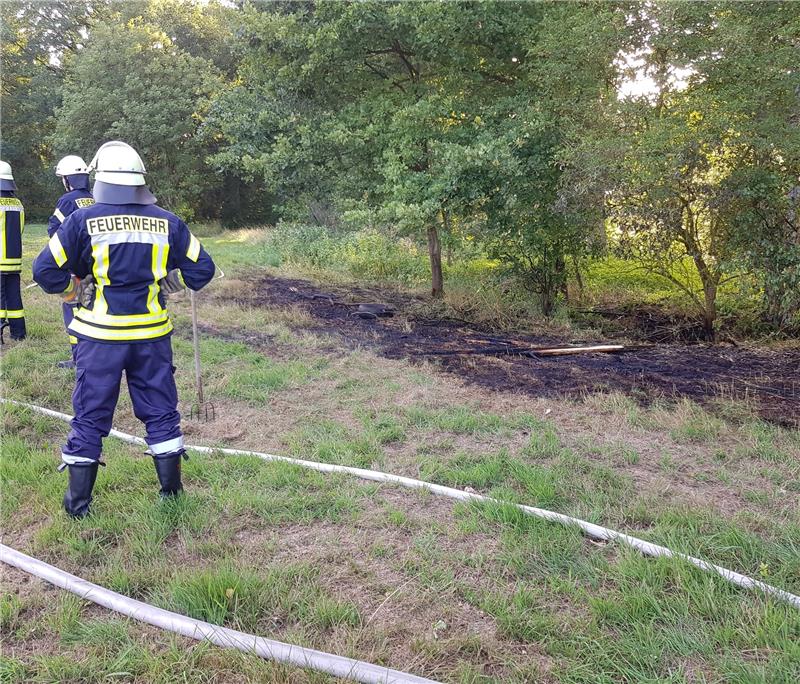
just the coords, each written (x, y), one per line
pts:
(196, 341)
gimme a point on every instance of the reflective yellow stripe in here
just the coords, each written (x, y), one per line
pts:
(100, 272)
(120, 335)
(159, 269)
(96, 318)
(194, 248)
(152, 290)
(57, 213)
(11, 266)
(57, 250)
(14, 313)
(3, 235)
(73, 339)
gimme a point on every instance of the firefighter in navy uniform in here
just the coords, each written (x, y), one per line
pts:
(12, 225)
(75, 177)
(128, 245)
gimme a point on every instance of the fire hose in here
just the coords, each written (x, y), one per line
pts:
(296, 655)
(591, 530)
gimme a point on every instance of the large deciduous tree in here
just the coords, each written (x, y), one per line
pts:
(131, 82)
(425, 112)
(37, 38)
(679, 165)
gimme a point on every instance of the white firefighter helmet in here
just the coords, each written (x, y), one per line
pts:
(117, 163)
(71, 165)
(6, 177)
(5, 171)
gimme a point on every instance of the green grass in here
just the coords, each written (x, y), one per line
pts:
(465, 420)
(458, 593)
(239, 598)
(331, 442)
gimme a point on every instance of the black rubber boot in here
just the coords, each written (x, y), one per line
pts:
(66, 364)
(79, 491)
(168, 469)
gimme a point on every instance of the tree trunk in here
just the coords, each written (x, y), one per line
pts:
(449, 245)
(231, 204)
(546, 303)
(561, 276)
(578, 277)
(710, 311)
(435, 254)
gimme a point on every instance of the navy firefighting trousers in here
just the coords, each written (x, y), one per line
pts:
(151, 383)
(11, 310)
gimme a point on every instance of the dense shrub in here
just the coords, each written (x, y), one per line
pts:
(365, 255)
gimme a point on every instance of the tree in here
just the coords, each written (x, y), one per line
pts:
(131, 82)
(664, 204)
(425, 112)
(760, 87)
(674, 164)
(37, 38)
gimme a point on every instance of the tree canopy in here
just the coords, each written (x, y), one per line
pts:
(668, 133)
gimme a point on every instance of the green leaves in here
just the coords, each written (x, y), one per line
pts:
(133, 83)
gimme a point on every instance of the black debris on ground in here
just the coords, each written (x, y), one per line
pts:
(770, 378)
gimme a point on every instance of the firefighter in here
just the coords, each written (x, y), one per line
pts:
(75, 178)
(12, 225)
(126, 245)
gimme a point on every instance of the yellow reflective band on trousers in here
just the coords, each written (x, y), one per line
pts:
(79, 327)
(12, 313)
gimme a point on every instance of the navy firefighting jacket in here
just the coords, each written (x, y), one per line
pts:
(68, 202)
(127, 248)
(12, 225)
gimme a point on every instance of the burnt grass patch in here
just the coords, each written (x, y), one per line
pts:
(769, 379)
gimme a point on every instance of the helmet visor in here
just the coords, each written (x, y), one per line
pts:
(108, 193)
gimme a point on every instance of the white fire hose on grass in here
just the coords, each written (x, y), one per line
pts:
(338, 666)
(268, 649)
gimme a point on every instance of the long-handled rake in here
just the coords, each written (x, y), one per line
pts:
(201, 410)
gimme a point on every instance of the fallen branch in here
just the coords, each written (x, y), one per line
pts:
(532, 352)
(563, 351)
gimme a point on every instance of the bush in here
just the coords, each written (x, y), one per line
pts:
(365, 254)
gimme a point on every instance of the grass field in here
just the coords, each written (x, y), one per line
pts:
(457, 593)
